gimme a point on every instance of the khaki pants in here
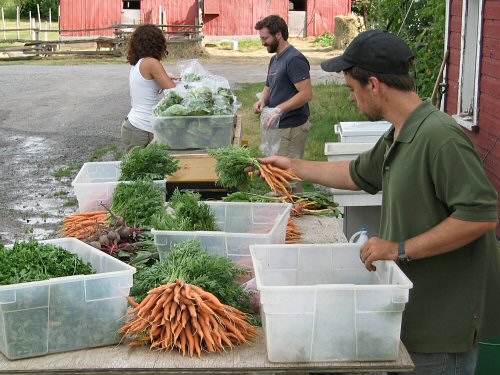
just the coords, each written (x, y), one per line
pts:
(134, 137)
(293, 141)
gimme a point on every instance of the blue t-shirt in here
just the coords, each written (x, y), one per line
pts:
(284, 71)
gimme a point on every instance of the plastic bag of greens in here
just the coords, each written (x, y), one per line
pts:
(192, 71)
(170, 98)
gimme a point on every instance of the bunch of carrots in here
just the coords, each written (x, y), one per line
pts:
(279, 180)
(84, 225)
(293, 234)
(184, 316)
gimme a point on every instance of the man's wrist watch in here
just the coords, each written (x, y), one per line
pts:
(402, 257)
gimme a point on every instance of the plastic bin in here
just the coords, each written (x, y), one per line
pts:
(336, 151)
(361, 131)
(194, 132)
(66, 313)
(319, 303)
(96, 182)
(241, 223)
(488, 360)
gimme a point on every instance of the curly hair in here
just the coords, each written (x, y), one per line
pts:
(275, 24)
(146, 41)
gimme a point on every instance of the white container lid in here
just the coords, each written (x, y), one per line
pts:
(339, 148)
(362, 128)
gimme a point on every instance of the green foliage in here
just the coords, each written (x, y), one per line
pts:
(25, 6)
(230, 166)
(153, 162)
(421, 24)
(34, 261)
(189, 214)
(138, 202)
(66, 171)
(325, 39)
(104, 151)
(186, 261)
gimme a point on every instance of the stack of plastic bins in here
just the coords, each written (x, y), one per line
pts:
(360, 209)
(66, 313)
(319, 303)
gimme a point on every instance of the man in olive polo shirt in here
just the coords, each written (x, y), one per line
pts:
(439, 210)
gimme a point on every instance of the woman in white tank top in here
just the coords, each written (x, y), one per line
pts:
(147, 46)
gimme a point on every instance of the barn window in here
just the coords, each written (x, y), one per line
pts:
(211, 7)
(298, 5)
(468, 88)
(132, 4)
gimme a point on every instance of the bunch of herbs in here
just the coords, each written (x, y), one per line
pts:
(33, 261)
(153, 162)
(186, 213)
(138, 201)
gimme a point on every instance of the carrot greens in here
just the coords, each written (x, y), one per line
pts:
(34, 261)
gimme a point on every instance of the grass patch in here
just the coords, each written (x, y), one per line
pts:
(60, 194)
(247, 45)
(325, 39)
(52, 34)
(107, 151)
(329, 106)
(70, 202)
(66, 171)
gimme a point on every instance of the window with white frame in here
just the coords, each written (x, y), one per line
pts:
(468, 89)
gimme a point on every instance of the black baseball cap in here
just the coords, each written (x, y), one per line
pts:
(377, 51)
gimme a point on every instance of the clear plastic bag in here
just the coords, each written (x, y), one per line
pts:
(270, 137)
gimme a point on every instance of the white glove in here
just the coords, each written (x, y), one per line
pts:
(272, 117)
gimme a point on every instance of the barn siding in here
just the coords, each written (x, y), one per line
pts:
(487, 138)
(236, 17)
(321, 15)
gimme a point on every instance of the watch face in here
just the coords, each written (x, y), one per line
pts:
(403, 259)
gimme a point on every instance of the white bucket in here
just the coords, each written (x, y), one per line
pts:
(235, 45)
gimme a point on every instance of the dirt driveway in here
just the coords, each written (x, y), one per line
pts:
(55, 118)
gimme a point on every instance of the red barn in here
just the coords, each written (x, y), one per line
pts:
(219, 17)
(473, 77)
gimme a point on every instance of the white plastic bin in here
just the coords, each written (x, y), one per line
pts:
(241, 224)
(96, 182)
(336, 151)
(66, 313)
(361, 131)
(195, 132)
(319, 303)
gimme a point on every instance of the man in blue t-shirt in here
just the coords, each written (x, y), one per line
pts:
(288, 89)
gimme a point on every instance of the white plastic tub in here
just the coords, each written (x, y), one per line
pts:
(95, 184)
(66, 313)
(361, 131)
(241, 224)
(194, 132)
(336, 151)
(319, 303)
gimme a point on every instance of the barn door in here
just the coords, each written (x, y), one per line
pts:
(297, 18)
(131, 12)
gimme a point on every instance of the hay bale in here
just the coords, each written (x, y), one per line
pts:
(184, 48)
(346, 29)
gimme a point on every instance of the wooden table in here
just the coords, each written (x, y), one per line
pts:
(125, 360)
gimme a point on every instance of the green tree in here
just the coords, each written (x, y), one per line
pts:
(421, 23)
(25, 6)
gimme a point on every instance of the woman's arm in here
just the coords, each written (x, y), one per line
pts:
(152, 68)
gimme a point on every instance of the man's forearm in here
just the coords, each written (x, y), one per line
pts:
(447, 236)
(331, 174)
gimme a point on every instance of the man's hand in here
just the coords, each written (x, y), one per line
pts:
(271, 118)
(377, 249)
(278, 161)
(259, 106)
